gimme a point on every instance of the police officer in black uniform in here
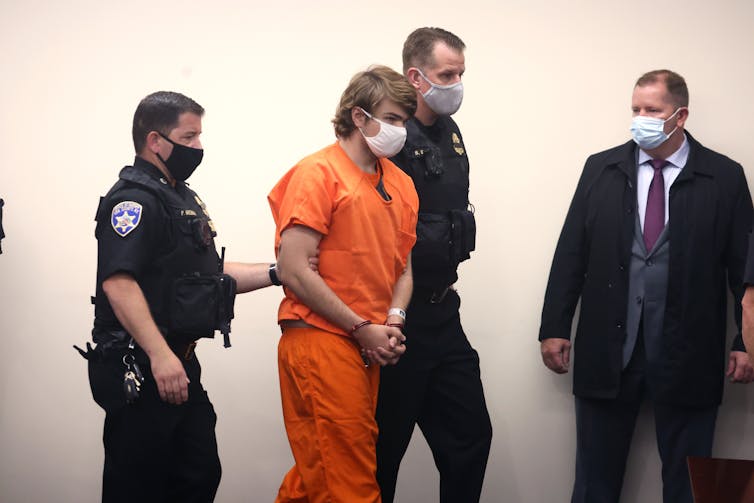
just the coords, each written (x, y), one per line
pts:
(437, 382)
(160, 286)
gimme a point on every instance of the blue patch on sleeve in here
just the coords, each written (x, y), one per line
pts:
(125, 217)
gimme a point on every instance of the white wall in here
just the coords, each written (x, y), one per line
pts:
(547, 84)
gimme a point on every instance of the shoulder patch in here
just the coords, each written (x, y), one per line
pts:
(126, 216)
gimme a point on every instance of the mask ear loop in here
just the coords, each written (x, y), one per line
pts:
(434, 85)
(174, 143)
(676, 124)
(673, 114)
(169, 141)
(369, 116)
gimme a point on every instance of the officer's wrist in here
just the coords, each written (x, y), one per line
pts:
(273, 273)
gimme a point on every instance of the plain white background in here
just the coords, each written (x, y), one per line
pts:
(548, 83)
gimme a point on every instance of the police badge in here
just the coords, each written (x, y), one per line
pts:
(457, 145)
(125, 217)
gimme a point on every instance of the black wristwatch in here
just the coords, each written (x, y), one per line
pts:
(273, 272)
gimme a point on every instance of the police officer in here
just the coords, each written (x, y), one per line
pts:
(160, 287)
(436, 384)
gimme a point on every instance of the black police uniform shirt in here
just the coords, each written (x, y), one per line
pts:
(154, 241)
(435, 158)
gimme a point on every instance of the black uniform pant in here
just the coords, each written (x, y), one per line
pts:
(604, 429)
(155, 452)
(436, 384)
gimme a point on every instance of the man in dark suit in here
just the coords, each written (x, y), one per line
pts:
(747, 303)
(654, 228)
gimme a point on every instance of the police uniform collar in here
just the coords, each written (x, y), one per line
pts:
(438, 123)
(150, 169)
(433, 131)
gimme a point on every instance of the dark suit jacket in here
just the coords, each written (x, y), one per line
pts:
(710, 218)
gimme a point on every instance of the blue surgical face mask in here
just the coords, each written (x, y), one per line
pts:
(649, 132)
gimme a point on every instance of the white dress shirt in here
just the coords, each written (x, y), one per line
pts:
(670, 172)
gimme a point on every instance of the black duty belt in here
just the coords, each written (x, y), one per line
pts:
(184, 350)
(432, 295)
(118, 340)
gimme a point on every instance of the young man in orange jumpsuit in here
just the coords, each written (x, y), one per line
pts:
(359, 210)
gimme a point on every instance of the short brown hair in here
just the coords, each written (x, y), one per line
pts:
(675, 84)
(160, 112)
(420, 45)
(366, 90)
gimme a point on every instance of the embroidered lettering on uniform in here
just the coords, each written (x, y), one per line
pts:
(457, 145)
(125, 217)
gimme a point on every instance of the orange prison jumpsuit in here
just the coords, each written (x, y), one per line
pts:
(328, 396)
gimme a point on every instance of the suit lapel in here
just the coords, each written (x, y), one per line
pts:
(660, 239)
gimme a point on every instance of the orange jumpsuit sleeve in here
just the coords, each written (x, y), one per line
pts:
(304, 196)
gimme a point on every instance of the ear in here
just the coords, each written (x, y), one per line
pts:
(358, 117)
(153, 142)
(414, 77)
(683, 114)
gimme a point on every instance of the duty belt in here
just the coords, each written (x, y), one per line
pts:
(433, 296)
(438, 295)
(184, 350)
(113, 340)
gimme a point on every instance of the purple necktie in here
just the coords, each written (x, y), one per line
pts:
(654, 218)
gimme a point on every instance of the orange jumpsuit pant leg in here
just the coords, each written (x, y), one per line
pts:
(329, 400)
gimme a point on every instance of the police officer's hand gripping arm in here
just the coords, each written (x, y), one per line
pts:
(251, 277)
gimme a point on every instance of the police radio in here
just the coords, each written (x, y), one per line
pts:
(203, 303)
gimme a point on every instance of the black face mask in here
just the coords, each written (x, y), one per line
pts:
(183, 161)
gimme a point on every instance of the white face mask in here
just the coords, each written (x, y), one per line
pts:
(649, 132)
(388, 141)
(443, 100)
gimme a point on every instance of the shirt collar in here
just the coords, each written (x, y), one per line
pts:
(677, 159)
(152, 170)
